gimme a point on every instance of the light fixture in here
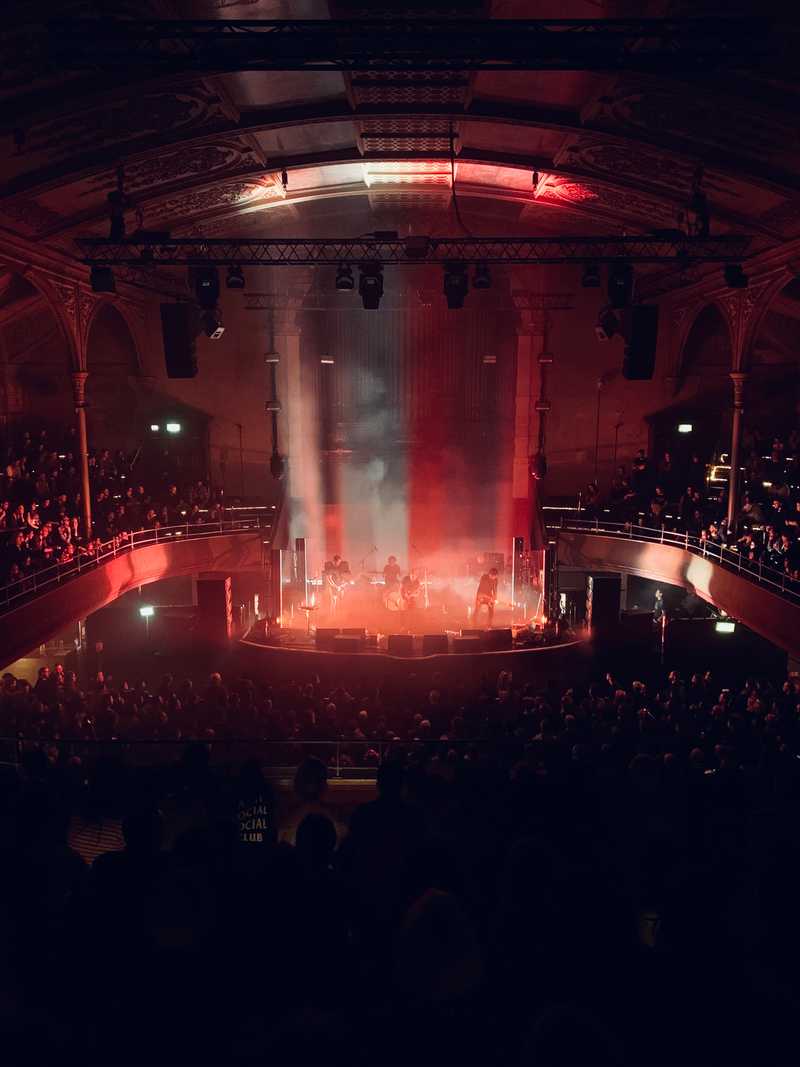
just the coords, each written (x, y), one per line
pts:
(620, 284)
(591, 276)
(327, 361)
(481, 278)
(235, 279)
(147, 611)
(607, 325)
(212, 325)
(370, 285)
(173, 427)
(456, 285)
(685, 427)
(102, 280)
(154, 427)
(735, 277)
(725, 627)
(344, 279)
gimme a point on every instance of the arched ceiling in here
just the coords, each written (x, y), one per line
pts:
(614, 152)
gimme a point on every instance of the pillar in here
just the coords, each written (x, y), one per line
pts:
(738, 378)
(79, 392)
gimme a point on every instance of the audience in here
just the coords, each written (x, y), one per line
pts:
(593, 875)
(41, 512)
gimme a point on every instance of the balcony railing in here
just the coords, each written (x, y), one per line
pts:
(729, 558)
(46, 578)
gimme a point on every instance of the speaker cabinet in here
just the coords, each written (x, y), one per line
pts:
(498, 640)
(343, 643)
(435, 645)
(354, 631)
(472, 633)
(179, 328)
(400, 645)
(467, 644)
(325, 635)
(603, 594)
(639, 361)
(214, 610)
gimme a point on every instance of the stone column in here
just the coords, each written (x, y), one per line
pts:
(738, 378)
(79, 392)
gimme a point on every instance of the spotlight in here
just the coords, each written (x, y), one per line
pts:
(344, 279)
(206, 286)
(212, 325)
(591, 276)
(147, 611)
(235, 279)
(735, 277)
(173, 427)
(370, 285)
(481, 279)
(620, 284)
(607, 325)
(102, 279)
(456, 284)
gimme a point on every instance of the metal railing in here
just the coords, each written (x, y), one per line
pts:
(344, 757)
(729, 558)
(40, 581)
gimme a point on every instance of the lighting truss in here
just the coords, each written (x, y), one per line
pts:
(169, 47)
(304, 252)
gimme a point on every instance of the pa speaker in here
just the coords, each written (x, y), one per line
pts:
(400, 645)
(434, 644)
(354, 631)
(640, 352)
(325, 635)
(179, 328)
(472, 633)
(498, 640)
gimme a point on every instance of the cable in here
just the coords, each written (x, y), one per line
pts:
(453, 183)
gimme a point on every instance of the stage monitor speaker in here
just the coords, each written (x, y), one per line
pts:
(400, 645)
(347, 644)
(603, 595)
(472, 633)
(179, 329)
(498, 640)
(354, 631)
(640, 352)
(467, 644)
(435, 644)
(325, 635)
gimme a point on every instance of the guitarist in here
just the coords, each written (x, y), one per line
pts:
(486, 595)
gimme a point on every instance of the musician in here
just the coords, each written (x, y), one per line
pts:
(336, 574)
(410, 587)
(391, 572)
(486, 595)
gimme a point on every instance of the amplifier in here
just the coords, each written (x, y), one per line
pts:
(400, 645)
(435, 644)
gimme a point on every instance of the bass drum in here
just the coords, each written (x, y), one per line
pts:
(393, 599)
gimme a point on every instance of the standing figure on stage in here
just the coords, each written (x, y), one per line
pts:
(409, 589)
(391, 572)
(336, 574)
(486, 596)
(392, 591)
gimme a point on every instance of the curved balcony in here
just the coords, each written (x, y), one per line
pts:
(764, 599)
(38, 607)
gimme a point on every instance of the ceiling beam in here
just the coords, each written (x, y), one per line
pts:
(263, 120)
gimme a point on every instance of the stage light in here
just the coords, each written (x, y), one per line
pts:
(344, 279)
(102, 280)
(327, 361)
(456, 285)
(725, 627)
(735, 277)
(685, 427)
(173, 427)
(620, 284)
(147, 611)
(482, 278)
(591, 276)
(212, 326)
(154, 427)
(607, 325)
(370, 285)
(235, 279)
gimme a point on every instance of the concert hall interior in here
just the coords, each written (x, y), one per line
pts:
(399, 531)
